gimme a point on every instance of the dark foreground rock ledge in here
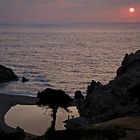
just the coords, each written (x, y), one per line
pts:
(104, 102)
(7, 75)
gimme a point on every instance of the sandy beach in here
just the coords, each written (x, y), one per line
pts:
(21, 111)
(7, 101)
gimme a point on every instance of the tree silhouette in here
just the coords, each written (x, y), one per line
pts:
(54, 99)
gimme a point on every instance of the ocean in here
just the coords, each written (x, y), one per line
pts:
(64, 56)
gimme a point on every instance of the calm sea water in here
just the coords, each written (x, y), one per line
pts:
(66, 57)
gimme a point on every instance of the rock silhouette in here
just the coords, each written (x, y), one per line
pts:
(135, 93)
(78, 95)
(117, 98)
(7, 75)
(24, 79)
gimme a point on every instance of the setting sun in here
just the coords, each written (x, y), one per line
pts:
(132, 10)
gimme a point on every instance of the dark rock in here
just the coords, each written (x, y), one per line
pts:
(119, 97)
(129, 62)
(24, 79)
(135, 93)
(78, 95)
(76, 123)
(20, 131)
(7, 75)
(93, 85)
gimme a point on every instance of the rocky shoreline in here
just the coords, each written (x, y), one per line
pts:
(105, 102)
(120, 97)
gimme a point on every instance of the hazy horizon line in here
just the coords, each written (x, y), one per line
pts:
(64, 23)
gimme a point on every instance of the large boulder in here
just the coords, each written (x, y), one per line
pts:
(7, 75)
(104, 102)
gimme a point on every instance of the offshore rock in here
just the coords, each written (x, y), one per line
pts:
(118, 97)
(7, 75)
(24, 79)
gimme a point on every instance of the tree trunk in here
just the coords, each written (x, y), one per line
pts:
(54, 117)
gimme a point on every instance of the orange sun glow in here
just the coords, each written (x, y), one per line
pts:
(131, 10)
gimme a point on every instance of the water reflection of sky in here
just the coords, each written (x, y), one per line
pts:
(66, 57)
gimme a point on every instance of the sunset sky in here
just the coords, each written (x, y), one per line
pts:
(68, 11)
